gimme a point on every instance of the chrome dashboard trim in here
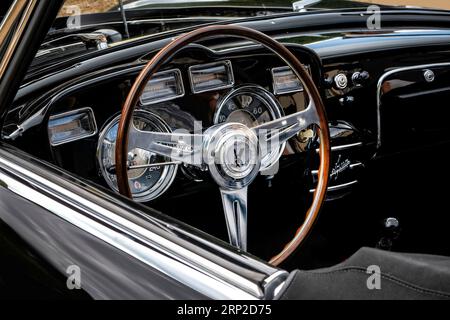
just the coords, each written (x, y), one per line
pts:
(39, 115)
(180, 79)
(338, 187)
(278, 93)
(170, 258)
(224, 62)
(343, 186)
(345, 146)
(73, 112)
(390, 73)
(356, 165)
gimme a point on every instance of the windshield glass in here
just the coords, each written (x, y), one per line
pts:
(83, 26)
(168, 14)
(98, 6)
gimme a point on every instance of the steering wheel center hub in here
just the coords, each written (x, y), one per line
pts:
(236, 156)
(232, 155)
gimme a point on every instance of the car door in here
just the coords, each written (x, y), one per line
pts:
(63, 238)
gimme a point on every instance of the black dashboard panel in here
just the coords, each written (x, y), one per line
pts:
(105, 95)
(413, 106)
(347, 80)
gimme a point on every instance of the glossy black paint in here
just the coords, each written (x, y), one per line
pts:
(24, 274)
(36, 264)
(61, 244)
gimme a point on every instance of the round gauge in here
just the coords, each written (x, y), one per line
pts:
(250, 105)
(146, 183)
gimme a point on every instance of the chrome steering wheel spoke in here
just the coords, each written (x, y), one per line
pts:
(273, 134)
(176, 146)
(235, 209)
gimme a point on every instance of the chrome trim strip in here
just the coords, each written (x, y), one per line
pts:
(347, 146)
(389, 73)
(338, 187)
(356, 165)
(177, 262)
(344, 147)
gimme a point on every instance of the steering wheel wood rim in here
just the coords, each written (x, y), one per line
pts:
(282, 52)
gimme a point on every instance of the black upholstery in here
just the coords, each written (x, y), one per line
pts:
(403, 276)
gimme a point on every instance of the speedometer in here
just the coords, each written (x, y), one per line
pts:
(152, 177)
(250, 105)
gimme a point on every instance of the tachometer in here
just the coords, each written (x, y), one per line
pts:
(250, 105)
(147, 182)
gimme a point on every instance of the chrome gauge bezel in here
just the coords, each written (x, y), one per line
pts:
(168, 174)
(273, 106)
(74, 137)
(176, 77)
(203, 67)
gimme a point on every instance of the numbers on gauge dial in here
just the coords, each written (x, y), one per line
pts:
(248, 109)
(250, 105)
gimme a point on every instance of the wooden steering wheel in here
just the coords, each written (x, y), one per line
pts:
(231, 152)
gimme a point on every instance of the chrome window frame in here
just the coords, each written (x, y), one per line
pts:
(15, 20)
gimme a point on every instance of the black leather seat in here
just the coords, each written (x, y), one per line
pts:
(402, 276)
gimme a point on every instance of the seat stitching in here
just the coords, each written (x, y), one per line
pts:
(386, 277)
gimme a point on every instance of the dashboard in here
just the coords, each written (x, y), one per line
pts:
(199, 88)
(205, 85)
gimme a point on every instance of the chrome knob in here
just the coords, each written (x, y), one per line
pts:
(360, 78)
(341, 81)
(429, 75)
(391, 223)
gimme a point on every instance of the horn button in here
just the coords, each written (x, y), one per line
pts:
(232, 155)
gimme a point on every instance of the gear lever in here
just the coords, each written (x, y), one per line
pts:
(390, 233)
